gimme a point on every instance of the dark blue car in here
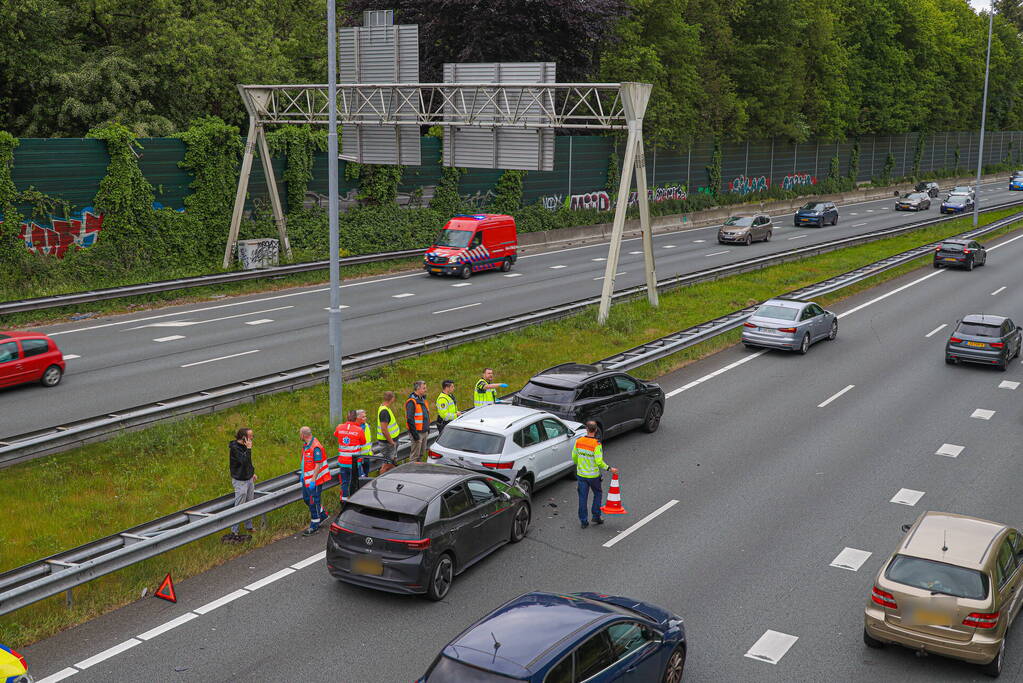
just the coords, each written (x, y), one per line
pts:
(957, 203)
(566, 638)
(816, 213)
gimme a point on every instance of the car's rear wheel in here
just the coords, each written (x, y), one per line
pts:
(653, 418)
(506, 265)
(767, 237)
(441, 578)
(804, 346)
(937, 265)
(676, 665)
(994, 668)
(51, 377)
(1003, 366)
(870, 641)
(950, 360)
(835, 222)
(834, 330)
(466, 272)
(520, 524)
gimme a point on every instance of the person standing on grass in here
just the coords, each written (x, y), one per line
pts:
(417, 420)
(387, 432)
(366, 454)
(315, 473)
(243, 476)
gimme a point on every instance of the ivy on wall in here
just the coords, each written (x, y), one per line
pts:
(10, 247)
(714, 169)
(918, 153)
(212, 152)
(378, 185)
(298, 144)
(508, 191)
(854, 163)
(446, 197)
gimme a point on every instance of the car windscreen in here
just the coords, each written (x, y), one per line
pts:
(471, 441)
(957, 199)
(979, 330)
(380, 520)
(812, 206)
(938, 577)
(447, 670)
(778, 312)
(454, 238)
(740, 221)
(548, 394)
(961, 190)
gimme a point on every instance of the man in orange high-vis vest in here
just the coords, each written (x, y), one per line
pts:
(315, 473)
(417, 419)
(350, 440)
(588, 457)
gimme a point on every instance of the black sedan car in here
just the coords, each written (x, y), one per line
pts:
(957, 203)
(413, 529)
(961, 254)
(617, 402)
(986, 339)
(913, 201)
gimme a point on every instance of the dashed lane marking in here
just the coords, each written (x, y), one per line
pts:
(341, 307)
(633, 253)
(1004, 384)
(851, 559)
(312, 559)
(513, 274)
(261, 321)
(698, 241)
(616, 275)
(213, 360)
(402, 295)
(998, 291)
(71, 356)
(771, 646)
(718, 253)
(173, 337)
(462, 284)
(798, 237)
(598, 259)
(59, 676)
(668, 246)
(457, 308)
(937, 329)
(640, 523)
(108, 653)
(907, 497)
(556, 267)
(982, 414)
(835, 396)
(858, 225)
(950, 450)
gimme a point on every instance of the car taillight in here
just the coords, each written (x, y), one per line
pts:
(997, 345)
(434, 454)
(981, 620)
(883, 598)
(790, 330)
(955, 340)
(937, 248)
(967, 251)
(337, 528)
(421, 544)
(499, 465)
(749, 325)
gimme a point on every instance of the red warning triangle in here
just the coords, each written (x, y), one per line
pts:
(166, 590)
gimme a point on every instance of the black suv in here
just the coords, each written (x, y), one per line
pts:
(928, 186)
(616, 401)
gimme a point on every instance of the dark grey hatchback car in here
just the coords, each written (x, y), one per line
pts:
(986, 339)
(413, 529)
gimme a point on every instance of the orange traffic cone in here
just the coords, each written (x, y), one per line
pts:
(614, 499)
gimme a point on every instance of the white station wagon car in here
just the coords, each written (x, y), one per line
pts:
(533, 444)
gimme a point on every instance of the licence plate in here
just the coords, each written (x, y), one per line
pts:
(978, 345)
(927, 617)
(435, 270)
(368, 565)
(951, 259)
(768, 330)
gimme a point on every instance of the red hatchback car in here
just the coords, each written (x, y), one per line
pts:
(29, 357)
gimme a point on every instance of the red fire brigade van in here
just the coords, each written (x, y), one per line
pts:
(469, 244)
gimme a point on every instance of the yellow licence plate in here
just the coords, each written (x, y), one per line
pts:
(927, 617)
(368, 565)
(951, 259)
(979, 345)
(436, 270)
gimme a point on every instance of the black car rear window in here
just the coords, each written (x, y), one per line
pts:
(447, 670)
(812, 206)
(952, 246)
(938, 577)
(378, 520)
(978, 330)
(471, 441)
(549, 394)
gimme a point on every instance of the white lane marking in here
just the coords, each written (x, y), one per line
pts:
(851, 559)
(853, 213)
(59, 676)
(907, 497)
(870, 211)
(1002, 244)
(633, 253)
(170, 338)
(616, 274)
(189, 323)
(71, 356)
(698, 241)
(457, 308)
(891, 293)
(462, 284)
(556, 267)
(718, 253)
(858, 225)
(327, 308)
(798, 237)
(835, 396)
(668, 246)
(168, 625)
(266, 581)
(213, 360)
(937, 329)
(640, 523)
(720, 371)
(220, 602)
(998, 291)
(513, 275)
(982, 414)
(598, 259)
(108, 653)
(312, 559)
(771, 646)
(402, 295)
(1004, 384)
(261, 321)
(950, 450)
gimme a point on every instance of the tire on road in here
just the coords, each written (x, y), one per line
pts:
(51, 376)
(506, 265)
(466, 272)
(652, 420)
(441, 577)
(520, 524)
(676, 665)
(804, 345)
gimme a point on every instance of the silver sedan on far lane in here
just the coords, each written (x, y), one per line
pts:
(789, 324)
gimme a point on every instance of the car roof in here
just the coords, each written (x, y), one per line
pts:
(969, 539)
(955, 241)
(409, 488)
(984, 319)
(23, 335)
(528, 629)
(568, 375)
(497, 417)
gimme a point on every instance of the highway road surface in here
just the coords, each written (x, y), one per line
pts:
(763, 477)
(119, 362)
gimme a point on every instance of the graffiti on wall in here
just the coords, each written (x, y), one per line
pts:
(793, 180)
(600, 200)
(746, 184)
(80, 230)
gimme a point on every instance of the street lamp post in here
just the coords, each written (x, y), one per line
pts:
(983, 115)
(334, 315)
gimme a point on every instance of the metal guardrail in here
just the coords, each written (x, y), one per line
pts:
(19, 448)
(40, 303)
(62, 572)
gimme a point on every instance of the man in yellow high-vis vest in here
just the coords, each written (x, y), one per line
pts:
(447, 408)
(588, 457)
(387, 432)
(367, 448)
(484, 393)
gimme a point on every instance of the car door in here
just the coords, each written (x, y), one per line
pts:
(34, 358)
(462, 521)
(604, 404)
(593, 659)
(979, 249)
(492, 510)
(12, 369)
(635, 649)
(557, 455)
(633, 403)
(1015, 336)
(1007, 576)
(806, 323)
(761, 224)
(530, 441)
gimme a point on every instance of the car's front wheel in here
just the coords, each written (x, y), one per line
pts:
(51, 377)
(749, 239)
(441, 578)
(653, 418)
(526, 484)
(834, 330)
(520, 524)
(466, 272)
(676, 665)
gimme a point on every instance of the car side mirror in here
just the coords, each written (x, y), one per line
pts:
(907, 527)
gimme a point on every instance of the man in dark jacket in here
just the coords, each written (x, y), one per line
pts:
(243, 476)
(417, 420)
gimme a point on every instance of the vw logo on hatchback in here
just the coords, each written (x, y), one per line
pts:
(369, 541)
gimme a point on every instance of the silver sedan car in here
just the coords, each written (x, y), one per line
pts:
(789, 324)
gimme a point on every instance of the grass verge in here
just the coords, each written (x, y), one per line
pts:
(74, 497)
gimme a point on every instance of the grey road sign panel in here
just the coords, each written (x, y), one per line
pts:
(491, 146)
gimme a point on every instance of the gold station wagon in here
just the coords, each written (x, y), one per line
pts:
(952, 588)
